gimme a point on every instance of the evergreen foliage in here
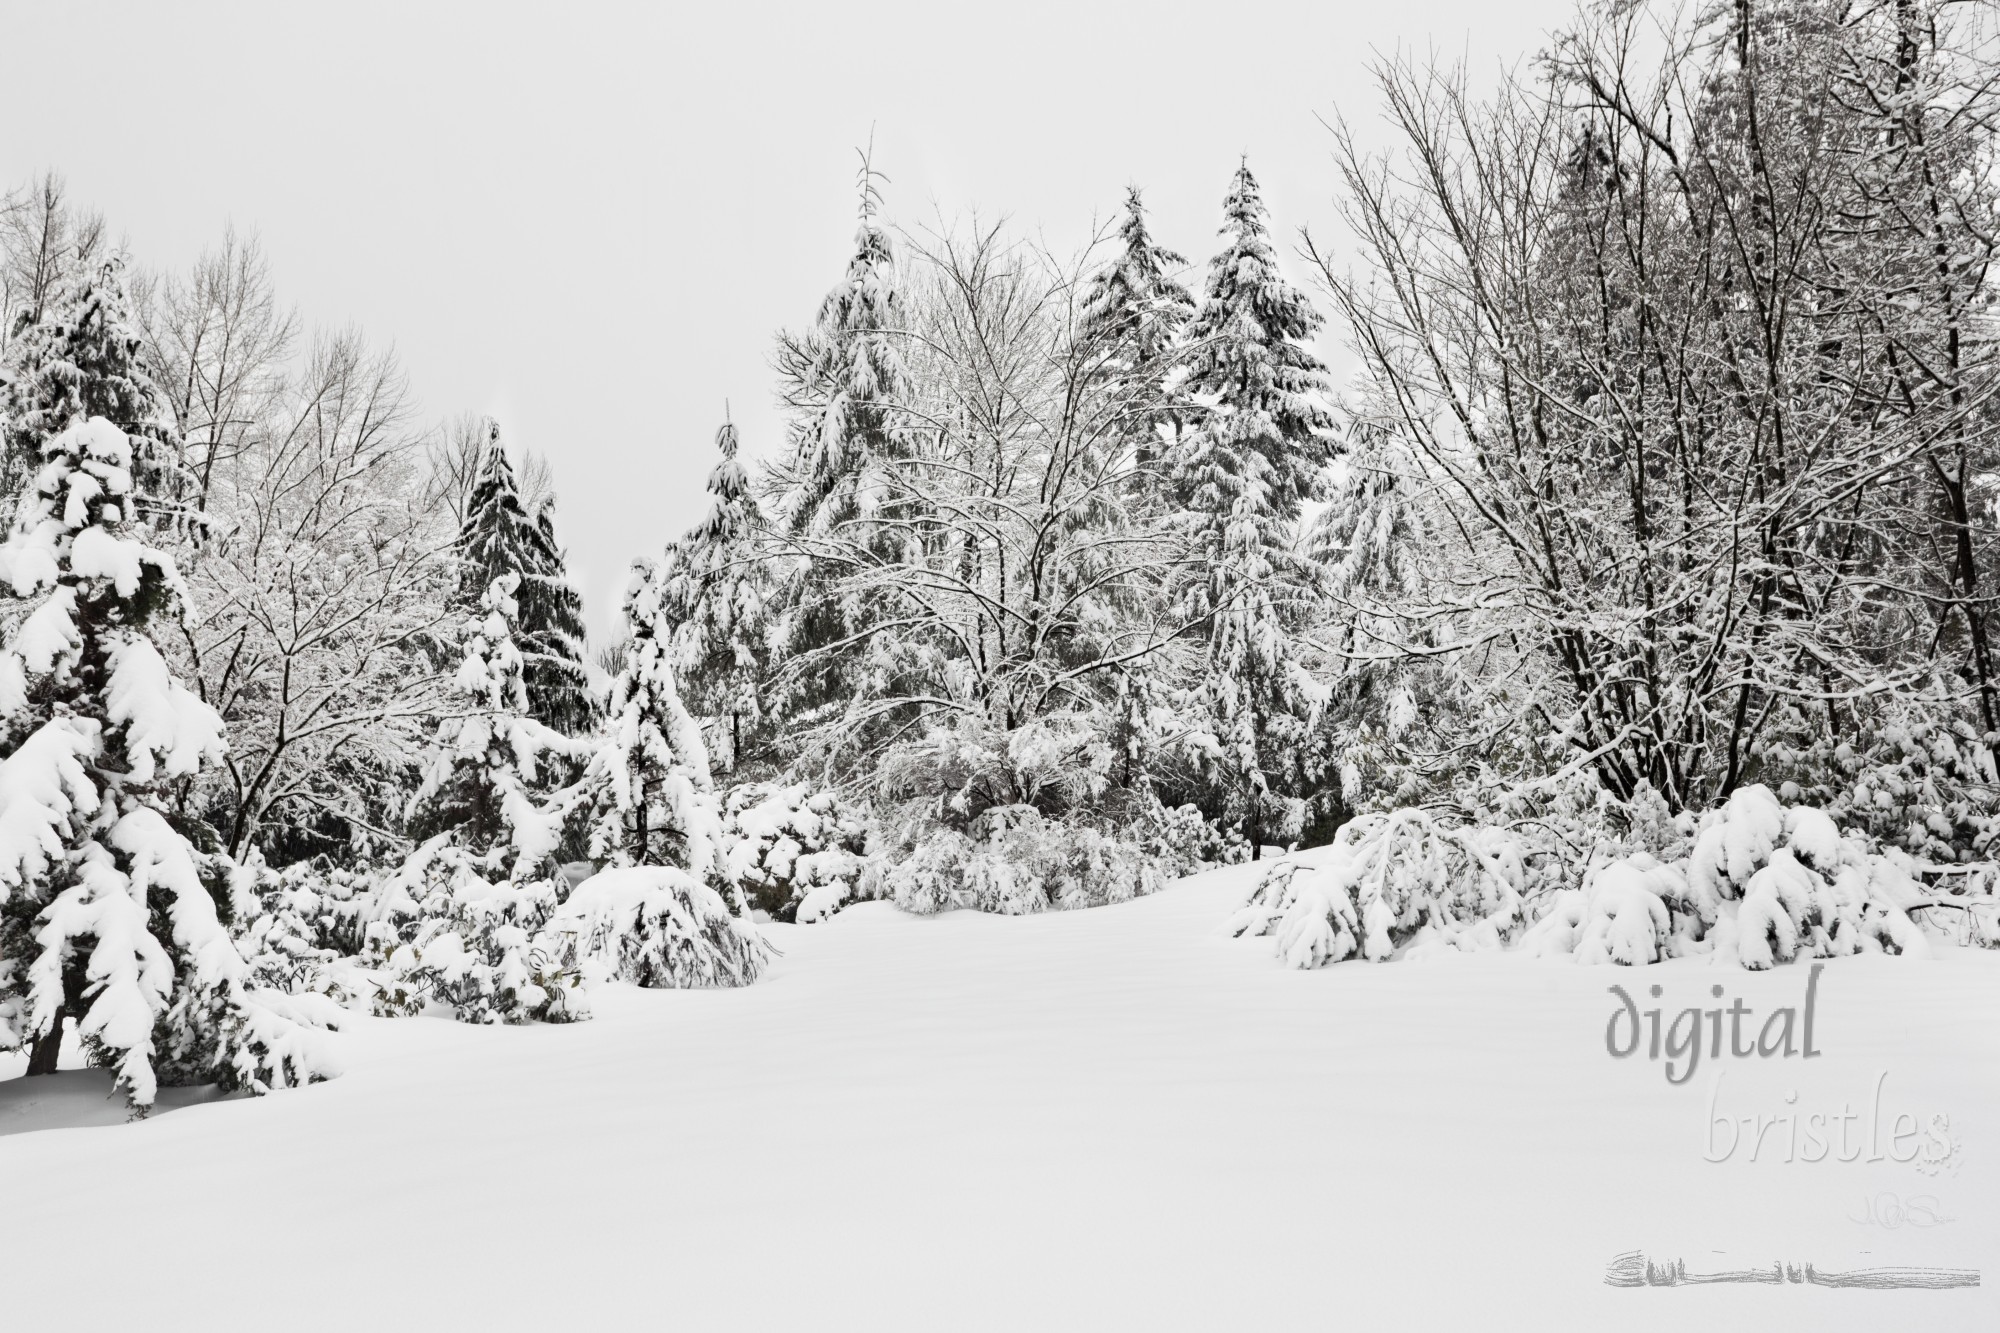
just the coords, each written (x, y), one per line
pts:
(105, 921)
(500, 537)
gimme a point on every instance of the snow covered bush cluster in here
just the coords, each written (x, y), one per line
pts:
(1015, 861)
(1757, 883)
(453, 928)
(797, 852)
(1390, 880)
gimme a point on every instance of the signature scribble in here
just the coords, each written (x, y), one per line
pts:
(1633, 1269)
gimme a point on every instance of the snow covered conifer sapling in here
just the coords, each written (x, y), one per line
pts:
(105, 923)
(460, 921)
(655, 917)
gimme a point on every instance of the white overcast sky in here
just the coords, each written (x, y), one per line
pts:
(589, 219)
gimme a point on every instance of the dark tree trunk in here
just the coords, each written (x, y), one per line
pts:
(46, 1048)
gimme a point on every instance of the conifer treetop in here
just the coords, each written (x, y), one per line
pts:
(1134, 298)
(81, 360)
(1247, 354)
(500, 537)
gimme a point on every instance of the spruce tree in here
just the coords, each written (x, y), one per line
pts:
(1240, 475)
(717, 586)
(500, 537)
(105, 921)
(846, 383)
(460, 921)
(489, 764)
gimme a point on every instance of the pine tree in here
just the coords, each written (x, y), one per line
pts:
(716, 588)
(500, 537)
(105, 921)
(1241, 475)
(81, 358)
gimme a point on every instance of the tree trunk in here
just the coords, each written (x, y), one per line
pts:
(47, 1047)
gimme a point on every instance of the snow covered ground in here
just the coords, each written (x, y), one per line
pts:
(1101, 1120)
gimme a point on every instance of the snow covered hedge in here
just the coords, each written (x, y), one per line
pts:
(1760, 883)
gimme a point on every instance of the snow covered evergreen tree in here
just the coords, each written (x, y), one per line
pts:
(651, 800)
(500, 537)
(717, 585)
(1133, 315)
(655, 916)
(490, 761)
(105, 921)
(1241, 474)
(844, 381)
(80, 359)
(461, 921)
(1133, 304)
(845, 377)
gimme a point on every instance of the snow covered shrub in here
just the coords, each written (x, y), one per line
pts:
(451, 930)
(1762, 883)
(1020, 862)
(924, 879)
(1620, 916)
(657, 926)
(1010, 822)
(952, 775)
(1921, 780)
(104, 919)
(797, 852)
(1183, 840)
(298, 929)
(1387, 881)
(1766, 882)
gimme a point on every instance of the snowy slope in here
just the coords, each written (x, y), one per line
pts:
(1099, 1120)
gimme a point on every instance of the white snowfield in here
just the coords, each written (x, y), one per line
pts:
(1106, 1119)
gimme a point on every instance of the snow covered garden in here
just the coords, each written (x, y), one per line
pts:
(969, 789)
